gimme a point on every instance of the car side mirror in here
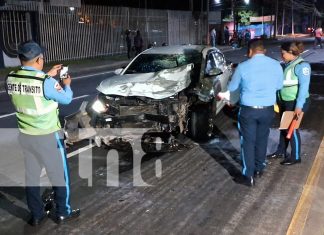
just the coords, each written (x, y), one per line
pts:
(118, 71)
(215, 72)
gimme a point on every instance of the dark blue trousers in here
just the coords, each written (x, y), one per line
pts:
(254, 127)
(46, 151)
(295, 141)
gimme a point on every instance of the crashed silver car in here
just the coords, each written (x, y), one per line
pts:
(169, 90)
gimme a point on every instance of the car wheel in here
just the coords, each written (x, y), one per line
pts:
(199, 124)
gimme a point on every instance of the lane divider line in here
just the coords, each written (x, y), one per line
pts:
(80, 97)
(92, 75)
(76, 152)
(81, 150)
(7, 115)
(11, 114)
(84, 76)
(300, 215)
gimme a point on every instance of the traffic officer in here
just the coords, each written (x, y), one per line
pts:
(258, 80)
(35, 96)
(294, 96)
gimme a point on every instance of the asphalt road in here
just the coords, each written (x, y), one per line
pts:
(83, 89)
(196, 193)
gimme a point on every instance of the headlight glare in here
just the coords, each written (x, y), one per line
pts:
(99, 107)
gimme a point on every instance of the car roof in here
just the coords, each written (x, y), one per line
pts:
(172, 50)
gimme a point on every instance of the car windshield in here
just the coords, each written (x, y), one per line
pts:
(151, 63)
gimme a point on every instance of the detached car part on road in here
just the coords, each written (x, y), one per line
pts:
(169, 90)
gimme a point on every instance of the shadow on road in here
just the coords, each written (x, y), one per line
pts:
(9, 204)
(221, 149)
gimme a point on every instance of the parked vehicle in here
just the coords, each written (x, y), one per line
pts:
(168, 89)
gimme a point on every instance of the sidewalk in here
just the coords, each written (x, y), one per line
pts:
(97, 65)
(309, 213)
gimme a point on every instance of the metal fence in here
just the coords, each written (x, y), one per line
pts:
(14, 28)
(92, 31)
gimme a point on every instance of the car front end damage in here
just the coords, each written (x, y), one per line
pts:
(166, 103)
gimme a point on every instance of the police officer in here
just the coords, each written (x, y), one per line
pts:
(258, 80)
(293, 97)
(35, 96)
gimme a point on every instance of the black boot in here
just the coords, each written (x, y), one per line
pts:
(275, 155)
(245, 180)
(290, 161)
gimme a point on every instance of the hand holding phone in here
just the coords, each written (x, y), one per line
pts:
(64, 72)
(66, 81)
(54, 70)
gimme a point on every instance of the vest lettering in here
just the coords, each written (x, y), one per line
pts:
(35, 114)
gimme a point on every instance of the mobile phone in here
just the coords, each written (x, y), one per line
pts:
(64, 71)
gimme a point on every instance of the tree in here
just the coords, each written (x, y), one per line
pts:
(244, 16)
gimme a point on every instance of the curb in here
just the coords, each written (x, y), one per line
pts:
(303, 212)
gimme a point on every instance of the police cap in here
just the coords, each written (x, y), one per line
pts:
(29, 50)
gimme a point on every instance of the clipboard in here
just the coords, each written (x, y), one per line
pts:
(287, 118)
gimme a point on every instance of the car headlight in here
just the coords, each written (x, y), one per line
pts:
(99, 107)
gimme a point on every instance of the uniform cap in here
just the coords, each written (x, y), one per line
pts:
(30, 50)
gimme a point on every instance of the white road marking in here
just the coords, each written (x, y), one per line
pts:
(79, 77)
(11, 114)
(7, 115)
(76, 152)
(92, 75)
(80, 97)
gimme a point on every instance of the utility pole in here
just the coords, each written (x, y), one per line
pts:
(202, 18)
(233, 13)
(283, 20)
(276, 20)
(292, 18)
(262, 21)
(207, 32)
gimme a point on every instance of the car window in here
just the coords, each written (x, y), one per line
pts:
(214, 60)
(194, 58)
(210, 63)
(219, 59)
(148, 63)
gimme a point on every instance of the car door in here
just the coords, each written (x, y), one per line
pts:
(218, 73)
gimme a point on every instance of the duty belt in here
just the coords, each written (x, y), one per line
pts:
(256, 107)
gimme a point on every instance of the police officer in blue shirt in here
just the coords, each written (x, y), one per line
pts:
(258, 80)
(294, 96)
(35, 96)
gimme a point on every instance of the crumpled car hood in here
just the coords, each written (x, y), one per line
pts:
(158, 85)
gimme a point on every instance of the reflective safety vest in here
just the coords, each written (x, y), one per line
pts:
(36, 115)
(289, 91)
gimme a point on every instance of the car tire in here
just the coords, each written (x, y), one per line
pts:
(199, 125)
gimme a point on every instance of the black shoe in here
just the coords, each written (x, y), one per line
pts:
(258, 174)
(48, 200)
(64, 218)
(275, 155)
(37, 222)
(247, 181)
(289, 161)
